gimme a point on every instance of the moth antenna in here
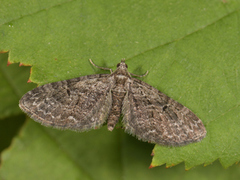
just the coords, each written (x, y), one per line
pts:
(104, 68)
(146, 73)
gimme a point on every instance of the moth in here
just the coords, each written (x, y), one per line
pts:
(86, 102)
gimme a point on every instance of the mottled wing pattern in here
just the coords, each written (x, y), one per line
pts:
(79, 104)
(154, 117)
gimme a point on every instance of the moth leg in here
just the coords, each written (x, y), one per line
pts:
(104, 68)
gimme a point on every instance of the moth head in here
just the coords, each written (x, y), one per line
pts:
(122, 64)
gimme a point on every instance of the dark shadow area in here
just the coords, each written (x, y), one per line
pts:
(9, 128)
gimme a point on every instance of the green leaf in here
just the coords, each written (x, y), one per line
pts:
(44, 153)
(11, 86)
(190, 48)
